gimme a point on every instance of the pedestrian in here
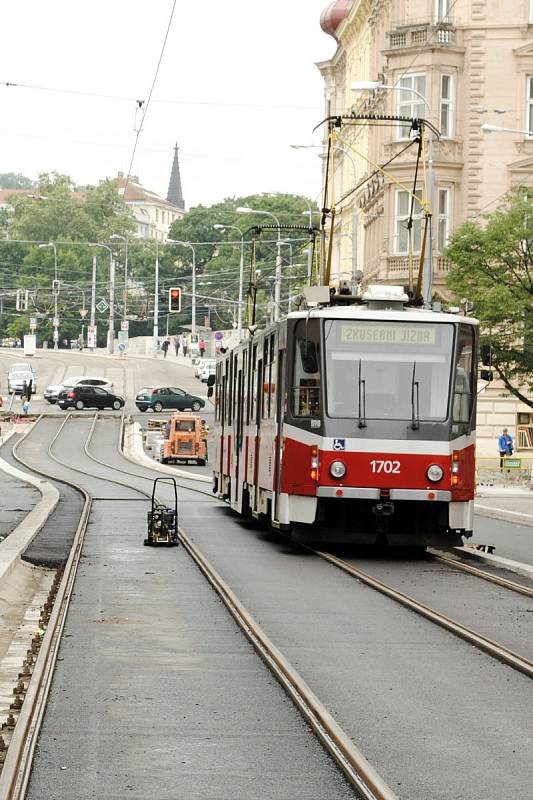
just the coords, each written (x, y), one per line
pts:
(164, 347)
(201, 345)
(177, 346)
(204, 433)
(185, 347)
(505, 446)
(24, 392)
(29, 389)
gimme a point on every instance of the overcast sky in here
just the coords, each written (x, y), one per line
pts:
(237, 85)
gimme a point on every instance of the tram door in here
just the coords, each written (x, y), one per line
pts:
(239, 420)
(280, 413)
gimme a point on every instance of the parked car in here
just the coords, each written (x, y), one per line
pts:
(51, 392)
(199, 364)
(17, 377)
(88, 397)
(209, 368)
(159, 397)
(22, 366)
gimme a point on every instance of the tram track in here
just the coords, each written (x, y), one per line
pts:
(340, 747)
(17, 768)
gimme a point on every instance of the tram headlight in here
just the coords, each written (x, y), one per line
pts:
(435, 473)
(337, 469)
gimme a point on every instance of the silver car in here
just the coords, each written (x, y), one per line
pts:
(51, 392)
(17, 377)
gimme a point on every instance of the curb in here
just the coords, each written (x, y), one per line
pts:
(504, 515)
(18, 540)
(497, 561)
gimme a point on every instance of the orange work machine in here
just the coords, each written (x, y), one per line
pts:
(184, 440)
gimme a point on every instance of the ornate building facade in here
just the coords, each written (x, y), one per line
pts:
(467, 67)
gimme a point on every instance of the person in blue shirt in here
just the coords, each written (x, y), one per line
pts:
(505, 446)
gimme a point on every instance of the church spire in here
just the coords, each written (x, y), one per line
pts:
(174, 194)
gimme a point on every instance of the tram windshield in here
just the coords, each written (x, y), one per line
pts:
(388, 370)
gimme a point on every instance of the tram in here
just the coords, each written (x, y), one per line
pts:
(352, 423)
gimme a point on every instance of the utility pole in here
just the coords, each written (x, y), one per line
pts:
(156, 301)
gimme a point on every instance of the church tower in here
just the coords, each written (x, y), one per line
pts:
(175, 194)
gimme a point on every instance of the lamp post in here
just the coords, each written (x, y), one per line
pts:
(487, 127)
(277, 284)
(55, 292)
(428, 256)
(111, 330)
(193, 311)
(220, 226)
(125, 298)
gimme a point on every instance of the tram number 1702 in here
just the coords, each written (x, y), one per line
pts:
(389, 467)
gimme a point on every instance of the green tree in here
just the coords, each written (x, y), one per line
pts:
(12, 180)
(218, 263)
(492, 265)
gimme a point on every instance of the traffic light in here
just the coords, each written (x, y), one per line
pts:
(174, 299)
(486, 361)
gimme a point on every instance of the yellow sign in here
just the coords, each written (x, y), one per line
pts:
(389, 334)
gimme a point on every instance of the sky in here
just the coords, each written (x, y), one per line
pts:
(237, 85)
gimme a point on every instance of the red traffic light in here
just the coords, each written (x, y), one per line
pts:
(174, 299)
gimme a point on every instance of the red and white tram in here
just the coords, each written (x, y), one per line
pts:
(352, 423)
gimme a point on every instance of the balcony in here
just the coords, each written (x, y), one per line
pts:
(437, 34)
(397, 267)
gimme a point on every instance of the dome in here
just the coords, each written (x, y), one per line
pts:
(334, 14)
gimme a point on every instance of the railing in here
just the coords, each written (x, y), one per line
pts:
(442, 32)
(399, 265)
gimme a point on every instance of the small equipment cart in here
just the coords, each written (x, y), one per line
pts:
(163, 520)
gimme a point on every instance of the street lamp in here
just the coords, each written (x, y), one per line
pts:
(428, 255)
(219, 227)
(111, 330)
(188, 244)
(56, 320)
(125, 240)
(277, 285)
(487, 127)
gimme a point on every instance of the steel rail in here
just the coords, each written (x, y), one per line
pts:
(135, 474)
(17, 767)
(359, 772)
(498, 651)
(513, 586)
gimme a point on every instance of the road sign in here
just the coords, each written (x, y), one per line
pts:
(91, 339)
(33, 322)
(102, 306)
(55, 322)
(218, 344)
(124, 325)
(218, 335)
(83, 313)
(122, 346)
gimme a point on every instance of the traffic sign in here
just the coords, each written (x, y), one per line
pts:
(124, 325)
(218, 344)
(55, 322)
(102, 306)
(83, 313)
(33, 322)
(122, 346)
(218, 335)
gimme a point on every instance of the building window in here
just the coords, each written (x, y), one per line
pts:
(446, 105)
(443, 223)
(157, 215)
(529, 101)
(410, 104)
(403, 207)
(442, 9)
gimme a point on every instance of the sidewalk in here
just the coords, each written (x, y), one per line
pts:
(507, 504)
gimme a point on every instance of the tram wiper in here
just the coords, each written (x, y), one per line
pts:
(362, 399)
(415, 401)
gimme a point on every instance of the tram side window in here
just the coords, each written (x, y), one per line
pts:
(253, 382)
(272, 377)
(264, 393)
(463, 389)
(305, 394)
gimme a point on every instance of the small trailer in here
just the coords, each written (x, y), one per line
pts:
(163, 520)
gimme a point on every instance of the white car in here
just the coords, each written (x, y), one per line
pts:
(209, 368)
(199, 366)
(19, 375)
(51, 392)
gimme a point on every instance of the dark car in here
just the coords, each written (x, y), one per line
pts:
(162, 397)
(88, 397)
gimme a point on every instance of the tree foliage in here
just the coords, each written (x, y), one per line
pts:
(492, 265)
(12, 180)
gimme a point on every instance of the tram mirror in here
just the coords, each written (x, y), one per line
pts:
(211, 380)
(308, 355)
(210, 391)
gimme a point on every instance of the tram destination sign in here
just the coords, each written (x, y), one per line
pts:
(389, 334)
